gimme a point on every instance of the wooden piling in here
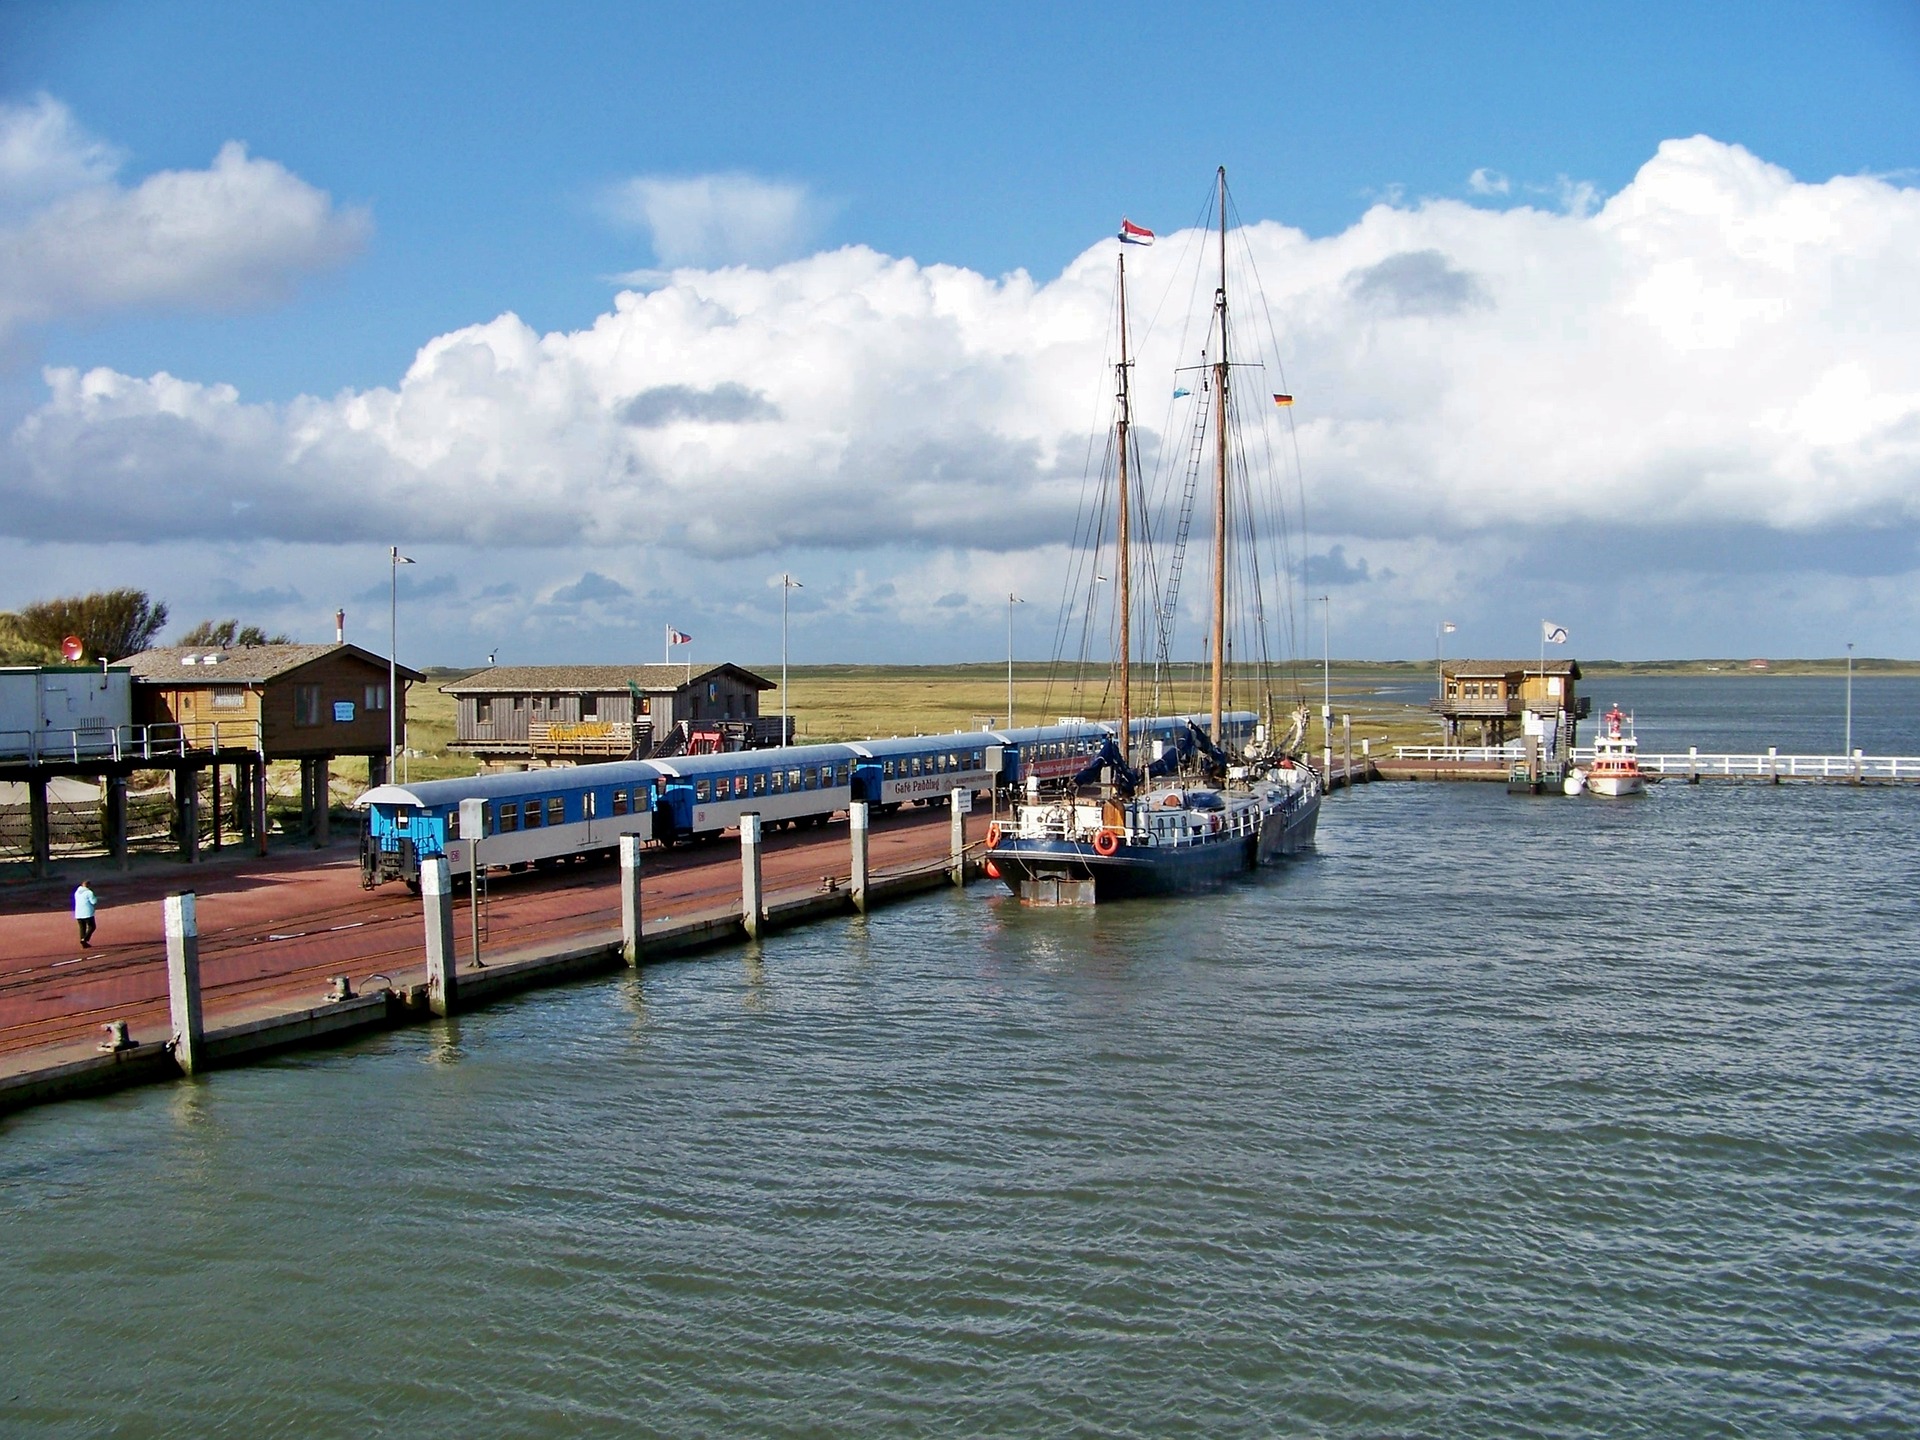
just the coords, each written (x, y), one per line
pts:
(115, 819)
(961, 802)
(753, 907)
(436, 903)
(183, 980)
(859, 825)
(186, 808)
(39, 827)
(630, 898)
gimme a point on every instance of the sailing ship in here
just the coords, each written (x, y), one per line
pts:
(1208, 797)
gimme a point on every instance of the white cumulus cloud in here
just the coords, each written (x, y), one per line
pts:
(1718, 361)
(75, 242)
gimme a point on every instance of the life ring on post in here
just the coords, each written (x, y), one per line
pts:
(993, 835)
(1107, 841)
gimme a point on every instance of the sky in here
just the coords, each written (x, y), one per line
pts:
(610, 315)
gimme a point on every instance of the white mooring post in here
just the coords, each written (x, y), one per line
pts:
(436, 902)
(630, 898)
(1346, 744)
(961, 801)
(183, 980)
(753, 911)
(859, 821)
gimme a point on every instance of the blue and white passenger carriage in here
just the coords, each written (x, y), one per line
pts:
(698, 796)
(923, 768)
(531, 817)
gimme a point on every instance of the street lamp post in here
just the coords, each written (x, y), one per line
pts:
(394, 561)
(1012, 600)
(787, 582)
(1849, 698)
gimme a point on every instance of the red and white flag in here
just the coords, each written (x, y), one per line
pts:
(678, 637)
(1132, 234)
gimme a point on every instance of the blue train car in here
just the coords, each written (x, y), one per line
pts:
(698, 796)
(923, 768)
(1051, 753)
(532, 817)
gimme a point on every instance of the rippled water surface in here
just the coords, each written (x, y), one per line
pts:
(1497, 1116)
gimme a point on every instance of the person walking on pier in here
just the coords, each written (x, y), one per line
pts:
(85, 902)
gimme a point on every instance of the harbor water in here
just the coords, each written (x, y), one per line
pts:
(1497, 1116)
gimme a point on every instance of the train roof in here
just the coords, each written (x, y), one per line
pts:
(687, 766)
(913, 744)
(431, 794)
(1066, 730)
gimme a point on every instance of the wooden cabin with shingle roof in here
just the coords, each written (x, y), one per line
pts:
(1498, 695)
(522, 713)
(300, 701)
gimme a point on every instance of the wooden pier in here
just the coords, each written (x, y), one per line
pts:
(1492, 762)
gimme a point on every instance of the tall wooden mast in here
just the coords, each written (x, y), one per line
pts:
(1220, 481)
(1125, 557)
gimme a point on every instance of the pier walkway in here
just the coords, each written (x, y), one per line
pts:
(1491, 762)
(274, 933)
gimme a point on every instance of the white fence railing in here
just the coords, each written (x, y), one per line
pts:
(1767, 765)
(124, 743)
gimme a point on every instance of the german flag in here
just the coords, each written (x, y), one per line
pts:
(1283, 399)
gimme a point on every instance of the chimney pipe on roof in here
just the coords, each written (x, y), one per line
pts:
(339, 627)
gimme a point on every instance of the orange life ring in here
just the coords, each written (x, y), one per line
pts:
(993, 835)
(1107, 841)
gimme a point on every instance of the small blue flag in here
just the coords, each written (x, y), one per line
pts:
(1181, 392)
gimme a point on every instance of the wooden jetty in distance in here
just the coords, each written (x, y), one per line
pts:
(1492, 762)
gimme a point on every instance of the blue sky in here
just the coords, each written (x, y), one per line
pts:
(442, 166)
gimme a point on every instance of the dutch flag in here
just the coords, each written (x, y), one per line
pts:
(1132, 234)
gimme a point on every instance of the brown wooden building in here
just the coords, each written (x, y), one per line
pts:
(1498, 695)
(301, 701)
(520, 713)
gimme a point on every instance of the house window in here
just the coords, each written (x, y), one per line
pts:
(589, 707)
(556, 811)
(229, 699)
(646, 705)
(306, 704)
(375, 698)
(483, 710)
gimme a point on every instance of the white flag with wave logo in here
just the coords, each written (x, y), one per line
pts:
(1553, 634)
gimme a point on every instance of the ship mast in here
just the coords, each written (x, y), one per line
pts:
(1220, 481)
(1125, 557)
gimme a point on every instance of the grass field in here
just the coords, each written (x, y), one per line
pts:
(851, 702)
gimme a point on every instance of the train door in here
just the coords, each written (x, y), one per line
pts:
(589, 818)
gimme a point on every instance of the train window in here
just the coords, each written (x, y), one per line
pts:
(777, 783)
(840, 774)
(556, 811)
(619, 802)
(702, 791)
(886, 769)
(530, 813)
(760, 783)
(813, 778)
(589, 804)
(740, 786)
(979, 758)
(507, 817)
(400, 819)
(793, 780)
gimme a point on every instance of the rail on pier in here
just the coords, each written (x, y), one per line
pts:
(1695, 764)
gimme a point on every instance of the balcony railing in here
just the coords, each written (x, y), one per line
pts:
(115, 744)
